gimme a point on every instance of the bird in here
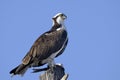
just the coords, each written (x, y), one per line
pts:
(46, 48)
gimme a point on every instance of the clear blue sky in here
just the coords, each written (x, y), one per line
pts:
(93, 51)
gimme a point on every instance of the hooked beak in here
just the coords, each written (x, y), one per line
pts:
(64, 17)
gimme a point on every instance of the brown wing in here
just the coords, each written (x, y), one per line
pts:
(45, 45)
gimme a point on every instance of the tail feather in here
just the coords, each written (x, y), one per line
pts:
(20, 70)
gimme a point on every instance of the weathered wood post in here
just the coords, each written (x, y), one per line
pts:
(55, 73)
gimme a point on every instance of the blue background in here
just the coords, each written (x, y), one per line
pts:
(93, 51)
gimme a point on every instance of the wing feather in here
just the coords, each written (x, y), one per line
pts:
(45, 45)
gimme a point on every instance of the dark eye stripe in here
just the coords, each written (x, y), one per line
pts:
(62, 15)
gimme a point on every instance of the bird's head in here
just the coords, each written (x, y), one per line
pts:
(59, 18)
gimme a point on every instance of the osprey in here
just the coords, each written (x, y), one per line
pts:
(47, 47)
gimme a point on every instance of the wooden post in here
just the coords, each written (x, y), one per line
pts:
(55, 73)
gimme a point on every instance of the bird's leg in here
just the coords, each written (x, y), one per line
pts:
(51, 64)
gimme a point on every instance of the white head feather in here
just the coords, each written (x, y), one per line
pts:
(60, 17)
